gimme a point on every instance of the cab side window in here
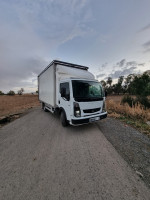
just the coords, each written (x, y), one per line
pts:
(65, 91)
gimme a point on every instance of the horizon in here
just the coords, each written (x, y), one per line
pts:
(111, 38)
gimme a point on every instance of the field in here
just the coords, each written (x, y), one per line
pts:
(136, 116)
(114, 105)
(17, 103)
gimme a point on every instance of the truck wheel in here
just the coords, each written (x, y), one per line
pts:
(44, 107)
(63, 119)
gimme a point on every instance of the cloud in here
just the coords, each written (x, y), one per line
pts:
(121, 68)
(21, 73)
(125, 68)
(102, 67)
(124, 72)
(100, 75)
(121, 63)
(31, 31)
(146, 46)
(131, 63)
(145, 28)
(147, 50)
(141, 64)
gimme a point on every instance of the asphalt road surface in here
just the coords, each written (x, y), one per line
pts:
(39, 159)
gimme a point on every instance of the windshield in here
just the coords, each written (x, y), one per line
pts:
(87, 90)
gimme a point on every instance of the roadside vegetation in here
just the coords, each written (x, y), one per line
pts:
(135, 116)
(133, 102)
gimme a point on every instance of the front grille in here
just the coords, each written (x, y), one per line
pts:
(91, 110)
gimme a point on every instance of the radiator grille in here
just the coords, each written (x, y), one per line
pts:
(92, 110)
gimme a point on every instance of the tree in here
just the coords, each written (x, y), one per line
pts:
(103, 83)
(117, 88)
(11, 92)
(120, 80)
(20, 92)
(1, 93)
(109, 81)
(141, 85)
(128, 83)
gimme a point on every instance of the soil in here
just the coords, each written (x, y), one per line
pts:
(10, 105)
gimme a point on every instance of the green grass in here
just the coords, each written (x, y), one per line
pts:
(138, 124)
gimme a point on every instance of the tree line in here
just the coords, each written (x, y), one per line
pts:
(138, 85)
(11, 92)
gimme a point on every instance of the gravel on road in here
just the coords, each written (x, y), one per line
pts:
(132, 145)
(41, 160)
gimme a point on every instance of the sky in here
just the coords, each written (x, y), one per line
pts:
(111, 37)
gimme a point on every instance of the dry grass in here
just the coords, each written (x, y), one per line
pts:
(137, 112)
(135, 116)
(17, 103)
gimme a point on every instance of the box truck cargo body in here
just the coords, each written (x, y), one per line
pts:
(72, 91)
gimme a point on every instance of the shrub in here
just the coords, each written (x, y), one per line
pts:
(20, 92)
(1, 93)
(11, 92)
(143, 101)
(135, 112)
(129, 100)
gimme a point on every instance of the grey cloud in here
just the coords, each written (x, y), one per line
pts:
(104, 65)
(124, 72)
(121, 63)
(146, 47)
(121, 68)
(124, 68)
(147, 50)
(141, 64)
(146, 44)
(100, 75)
(21, 74)
(145, 28)
(36, 31)
(131, 63)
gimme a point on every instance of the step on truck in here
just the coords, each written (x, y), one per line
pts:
(72, 91)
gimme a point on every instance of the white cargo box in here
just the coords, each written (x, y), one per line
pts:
(49, 78)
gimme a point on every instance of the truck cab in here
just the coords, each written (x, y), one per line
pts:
(72, 91)
(81, 101)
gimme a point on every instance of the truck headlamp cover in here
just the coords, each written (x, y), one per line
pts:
(77, 111)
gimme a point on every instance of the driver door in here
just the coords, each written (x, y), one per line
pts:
(65, 98)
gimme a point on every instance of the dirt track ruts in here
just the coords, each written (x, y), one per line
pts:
(39, 159)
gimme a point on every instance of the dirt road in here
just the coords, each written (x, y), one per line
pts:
(39, 159)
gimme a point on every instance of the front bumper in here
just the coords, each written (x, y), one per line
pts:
(88, 120)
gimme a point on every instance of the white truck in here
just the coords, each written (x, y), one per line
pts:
(72, 91)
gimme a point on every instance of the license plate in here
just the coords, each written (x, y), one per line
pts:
(93, 119)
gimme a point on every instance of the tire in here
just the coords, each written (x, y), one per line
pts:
(63, 119)
(44, 107)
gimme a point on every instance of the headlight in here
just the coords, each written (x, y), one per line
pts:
(104, 107)
(77, 111)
